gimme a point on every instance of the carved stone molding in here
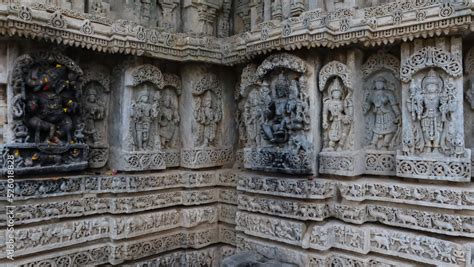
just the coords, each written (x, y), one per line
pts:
(206, 157)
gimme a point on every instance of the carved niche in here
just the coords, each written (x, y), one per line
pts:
(94, 113)
(152, 141)
(46, 124)
(275, 115)
(337, 156)
(381, 107)
(207, 148)
(433, 134)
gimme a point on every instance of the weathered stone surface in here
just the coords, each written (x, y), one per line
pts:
(178, 133)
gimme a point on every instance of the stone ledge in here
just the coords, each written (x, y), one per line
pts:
(360, 239)
(28, 188)
(92, 205)
(302, 257)
(427, 220)
(314, 28)
(127, 250)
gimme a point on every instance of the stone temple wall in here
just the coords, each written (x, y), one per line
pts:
(188, 133)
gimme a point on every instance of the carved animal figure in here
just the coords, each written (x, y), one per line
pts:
(378, 215)
(406, 218)
(442, 225)
(382, 241)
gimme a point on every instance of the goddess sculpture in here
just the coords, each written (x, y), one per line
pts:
(337, 117)
(382, 102)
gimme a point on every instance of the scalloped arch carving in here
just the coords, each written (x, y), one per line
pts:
(147, 73)
(431, 57)
(381, 61)
(335, 69)
(282, 60)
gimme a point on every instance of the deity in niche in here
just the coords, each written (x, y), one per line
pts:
(432, 106)
(274, 129)
(168, 119)
(382, 103)
(143, 113)
(93, 110)
(208, 117)
(51, 102)
(337, 117)
(254, 117)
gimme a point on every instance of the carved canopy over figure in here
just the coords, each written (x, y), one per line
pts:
(432, 106)
(337, 117)
(382, 103)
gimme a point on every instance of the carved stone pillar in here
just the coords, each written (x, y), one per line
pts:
(432, 94)
(267, 10)
(206, 123)
(256, 8)
(297, 7)
(171, 20)
(469, 99)
(277, 10)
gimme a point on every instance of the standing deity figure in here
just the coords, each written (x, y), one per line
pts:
(168, 120)
(381, 101)
(142, 116)
(432, 106)
(253, 117)
(337, 117)
(208, 118)
(93, 110)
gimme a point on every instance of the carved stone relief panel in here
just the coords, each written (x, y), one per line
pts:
(151, 119)
(338, 155)
(276, 115)
(205, 145)
(469, 98)
(381, 108)
(433, 131)
(94, 112)
(47, 130)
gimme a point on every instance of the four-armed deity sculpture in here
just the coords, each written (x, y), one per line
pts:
(431, 106)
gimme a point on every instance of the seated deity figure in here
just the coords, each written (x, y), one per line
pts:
(93, 110)
(51, 103)
(142, 116)
(382, 102)
(337, 117)
(275, 128)
(432, 107)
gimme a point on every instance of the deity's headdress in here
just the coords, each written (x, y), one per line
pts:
(282, 82)
(335, 86)
(91, 91)
(432, 78)
(380, 78)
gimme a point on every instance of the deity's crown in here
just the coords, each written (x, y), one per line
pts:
(380, 78)
(91, 91)
(432, 78)
(335, 86)
(282, 81)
